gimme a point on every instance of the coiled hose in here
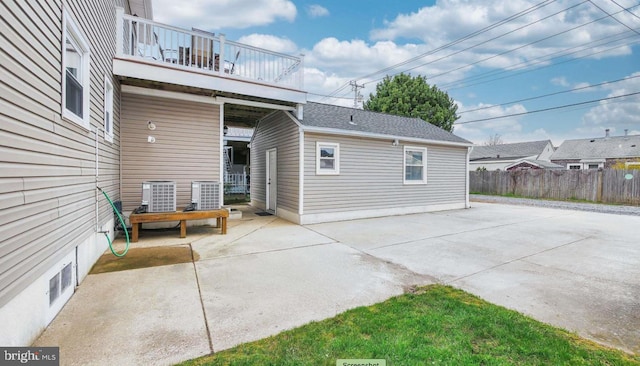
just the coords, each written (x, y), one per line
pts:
(126, 233)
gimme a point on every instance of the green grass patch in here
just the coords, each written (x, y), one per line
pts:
(434, 325)
(572, 199)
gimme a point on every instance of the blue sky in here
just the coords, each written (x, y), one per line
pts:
(555, 47)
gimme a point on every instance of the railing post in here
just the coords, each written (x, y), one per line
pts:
(119, 30)
(222, 38)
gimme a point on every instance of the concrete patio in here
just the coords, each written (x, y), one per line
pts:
(576, 270)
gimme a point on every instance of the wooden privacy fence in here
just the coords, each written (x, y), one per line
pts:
(607, 186)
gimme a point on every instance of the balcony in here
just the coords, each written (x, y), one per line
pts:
(148, 50)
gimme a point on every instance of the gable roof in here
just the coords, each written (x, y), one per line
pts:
(335, 119)
(506, 151)
(540, 163)
(599, 148)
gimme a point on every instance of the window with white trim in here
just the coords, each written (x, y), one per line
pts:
(108, 109)
(75, 73)
(574, 166)
(327, 158)
(415, 165)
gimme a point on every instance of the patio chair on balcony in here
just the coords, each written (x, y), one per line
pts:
(202, 49)
(231, 64)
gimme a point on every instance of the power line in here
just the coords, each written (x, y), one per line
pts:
(458, 84)
(614, 18)
(453, 43)
(626, 9)
(550, 94)
(489, 40)
(545, 109)
(517, 48)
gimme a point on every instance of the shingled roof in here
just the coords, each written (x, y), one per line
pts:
(599, 148)
(331, 117)
(509, 151)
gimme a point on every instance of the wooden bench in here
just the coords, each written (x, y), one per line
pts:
(137, 219)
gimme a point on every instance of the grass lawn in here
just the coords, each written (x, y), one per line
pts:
(433, 325)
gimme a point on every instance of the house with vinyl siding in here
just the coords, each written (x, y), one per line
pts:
(95, 94)
(338, 163)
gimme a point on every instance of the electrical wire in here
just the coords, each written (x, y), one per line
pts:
(453, 43)
(548, 95)
(614, 18)
(546, 109)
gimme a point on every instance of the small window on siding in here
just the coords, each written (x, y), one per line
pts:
(574, 166)
(415, 165)
(75, 73)
(327, 158)
(108, 109)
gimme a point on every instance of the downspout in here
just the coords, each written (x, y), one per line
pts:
(221, 143)
(466, 203)
(96, 189)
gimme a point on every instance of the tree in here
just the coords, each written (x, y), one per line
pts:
(408, 96)
(494, 140)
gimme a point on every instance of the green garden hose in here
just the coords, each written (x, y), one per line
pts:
(126, 233)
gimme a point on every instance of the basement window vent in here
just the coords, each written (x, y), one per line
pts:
(60, 282)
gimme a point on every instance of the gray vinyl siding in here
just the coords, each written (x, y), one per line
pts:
(48, 164)
(279, 132)
(371, 176)
(187, 146)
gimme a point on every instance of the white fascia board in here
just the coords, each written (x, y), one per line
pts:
(334, 131)
(295, 120)
(237, 138)
(251, 103)
(129, 89)
(183, 75)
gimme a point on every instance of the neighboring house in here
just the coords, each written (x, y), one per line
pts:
(237, 158)
(533, 164)
(499, 157)
(340, 163)
(601, 152)
(96, 94)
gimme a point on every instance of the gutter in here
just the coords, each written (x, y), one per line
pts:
(335, 131)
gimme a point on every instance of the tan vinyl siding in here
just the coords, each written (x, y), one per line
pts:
(47, 164)
(371, 176)
(280, 132)
(187, 146)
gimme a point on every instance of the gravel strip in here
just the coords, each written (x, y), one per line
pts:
(592, 207)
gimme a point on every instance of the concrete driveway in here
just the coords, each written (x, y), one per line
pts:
(576, 270)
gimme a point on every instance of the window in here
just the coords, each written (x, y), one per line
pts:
(75, 68)
(108, 109)
(574, 166)
(327, 158)
(594, 166)
(415, 165)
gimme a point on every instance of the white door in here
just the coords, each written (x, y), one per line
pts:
(272, 180)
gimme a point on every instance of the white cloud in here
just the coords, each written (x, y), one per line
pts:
(269, 42)
(215, 15)
(450, 20)
(560, 81)
(316, 11)
(616, 114)
(479, 132)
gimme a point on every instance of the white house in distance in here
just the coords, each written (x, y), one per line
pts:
(503, 156)
(95, 94)
(600, 152)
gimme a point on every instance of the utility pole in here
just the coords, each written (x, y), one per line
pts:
(357, 97)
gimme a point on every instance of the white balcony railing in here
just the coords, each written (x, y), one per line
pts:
(140, 38)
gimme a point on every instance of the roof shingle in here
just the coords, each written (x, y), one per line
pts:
(503, 151)
(599, 148)
(358, 120)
